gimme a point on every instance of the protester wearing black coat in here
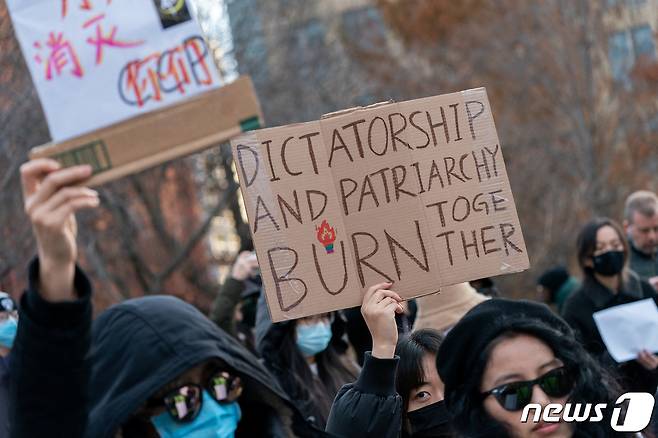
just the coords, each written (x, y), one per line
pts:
(70, 379)
(370, 406)
(593, 297)
(4, 396)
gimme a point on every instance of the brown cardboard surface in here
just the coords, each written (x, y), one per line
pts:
(153, 138)
(416, 193)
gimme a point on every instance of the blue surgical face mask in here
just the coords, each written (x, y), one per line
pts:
(313, 338)
(215, 420)
(8, 329)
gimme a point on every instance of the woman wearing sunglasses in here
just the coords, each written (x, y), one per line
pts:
(504, 355)
(147, 367)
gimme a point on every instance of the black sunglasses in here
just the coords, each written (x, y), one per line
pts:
(184, 403)
(516, 395)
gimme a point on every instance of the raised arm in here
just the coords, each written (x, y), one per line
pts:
(228, 298)
(49, 372)
(371, 406)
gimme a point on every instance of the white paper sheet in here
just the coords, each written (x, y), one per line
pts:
(97, 62)
(629, 328)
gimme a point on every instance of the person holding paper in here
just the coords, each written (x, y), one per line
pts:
(147, 367)
(603, 256)
(641, 225)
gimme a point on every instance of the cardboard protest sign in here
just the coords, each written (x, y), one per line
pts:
(97, 62)
(162, 135)
(414, 192)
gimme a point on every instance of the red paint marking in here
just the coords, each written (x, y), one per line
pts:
(64, 7)
(110, 40)
(61, 54)
(93, 20)
(199, 53)
(86, 5)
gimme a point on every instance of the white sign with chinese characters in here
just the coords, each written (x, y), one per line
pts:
(98, 62)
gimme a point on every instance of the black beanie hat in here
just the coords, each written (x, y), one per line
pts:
(463, 344)
(554, 278)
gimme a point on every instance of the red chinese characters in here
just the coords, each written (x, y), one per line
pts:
(60, 55)
(109, 39)
(63, 53)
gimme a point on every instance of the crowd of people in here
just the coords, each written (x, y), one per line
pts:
(463, 363)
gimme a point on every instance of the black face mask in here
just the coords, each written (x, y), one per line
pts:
(609, 263)
(432, 421)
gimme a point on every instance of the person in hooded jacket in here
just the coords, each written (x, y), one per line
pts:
(603, 256)
(399, 392)
(307, 356)
(148, 367)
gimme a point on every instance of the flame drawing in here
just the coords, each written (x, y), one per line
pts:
(326, 236)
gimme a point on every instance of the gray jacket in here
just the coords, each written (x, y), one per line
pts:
(644, 265)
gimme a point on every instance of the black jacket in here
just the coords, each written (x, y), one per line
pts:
(135, 348)
(4, 396)
(593, 297)
(50, 376)
(369, 407)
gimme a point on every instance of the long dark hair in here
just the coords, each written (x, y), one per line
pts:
(317, 395)
(592, 384)
(586, 242)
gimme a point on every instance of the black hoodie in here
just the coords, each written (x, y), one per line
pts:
(137, 347)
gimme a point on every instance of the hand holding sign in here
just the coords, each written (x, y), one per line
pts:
(50, 202)
(378, 309)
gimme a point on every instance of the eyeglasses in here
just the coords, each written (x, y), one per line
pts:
(516, 395)
(184, 403)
